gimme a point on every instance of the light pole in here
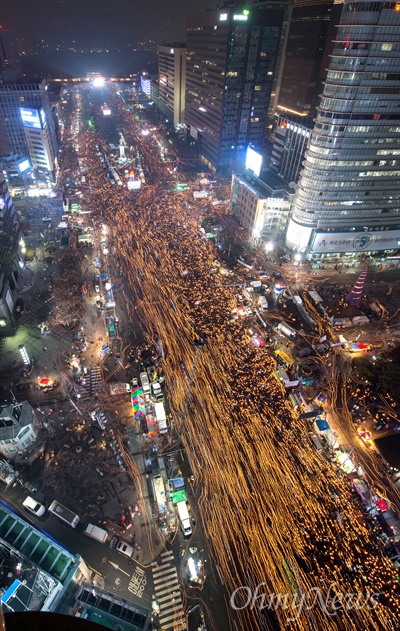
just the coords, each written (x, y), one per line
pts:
(198, 343)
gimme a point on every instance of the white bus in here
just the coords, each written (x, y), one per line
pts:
(63, 513)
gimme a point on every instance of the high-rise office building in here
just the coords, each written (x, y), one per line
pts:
(11, 255)
(348, 198)
(27, 126)
(290, 143)
(234, 62)
(10, 64)
(172, 81)
(312, 29)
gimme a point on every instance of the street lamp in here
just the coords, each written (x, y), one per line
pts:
(269, 247)
(198, 343)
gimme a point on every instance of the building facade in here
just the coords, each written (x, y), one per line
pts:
(10, 64)
(312, 28)
(234, 60)
(11, 256)
(145, 84)
(261, 206)
(27, 126)
(290, 143)
(350, 184)
(18, 428)
(172, 82)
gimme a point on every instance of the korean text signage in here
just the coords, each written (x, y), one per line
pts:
(330, 242)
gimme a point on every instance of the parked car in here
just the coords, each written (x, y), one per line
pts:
(122, 547)
(33, 506)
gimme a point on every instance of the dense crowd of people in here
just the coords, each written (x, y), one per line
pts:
(275, 512)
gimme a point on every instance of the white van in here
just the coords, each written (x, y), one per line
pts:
(263, 303)
(144, 380)
(33, 506)
(96, 533)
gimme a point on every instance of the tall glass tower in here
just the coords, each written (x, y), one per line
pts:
(350, 182)
(233, 69)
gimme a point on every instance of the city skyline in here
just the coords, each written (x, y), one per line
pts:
(98, 22)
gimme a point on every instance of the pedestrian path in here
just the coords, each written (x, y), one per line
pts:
(167, 593)
(95, 380)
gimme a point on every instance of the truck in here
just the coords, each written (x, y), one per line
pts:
(144, 380)
(157, 393)
(161, 417)
(96, 533)
(184, 519)
(287, 330)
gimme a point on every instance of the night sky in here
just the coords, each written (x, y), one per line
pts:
(115, 23)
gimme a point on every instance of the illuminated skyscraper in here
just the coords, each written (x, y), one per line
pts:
(11, 255)
(234, 62)
(172, 81)
(26, 124)
(10, 65)
(350, 184)
(312, 27)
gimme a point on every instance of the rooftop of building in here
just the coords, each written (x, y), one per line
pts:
(11, 158)
(13, 418)
(33, 546)
(110, 610)
(174, 44)
(267, 185)
(304, 121)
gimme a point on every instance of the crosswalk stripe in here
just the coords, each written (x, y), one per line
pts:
(173, 622)
(168, 594)
(175, 595)
(166, 580)
(174, 608)
(163, 571)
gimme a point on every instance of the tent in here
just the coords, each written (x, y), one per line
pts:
(138, 403)
(138, 411)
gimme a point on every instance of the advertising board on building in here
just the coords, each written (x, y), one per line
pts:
(333, 242)
(253, 161)
(30, 118)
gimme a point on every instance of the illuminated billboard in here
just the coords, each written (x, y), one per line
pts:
(30, 118)
(24, 166)
(43, 118)
(253, 161)
(297, 236)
